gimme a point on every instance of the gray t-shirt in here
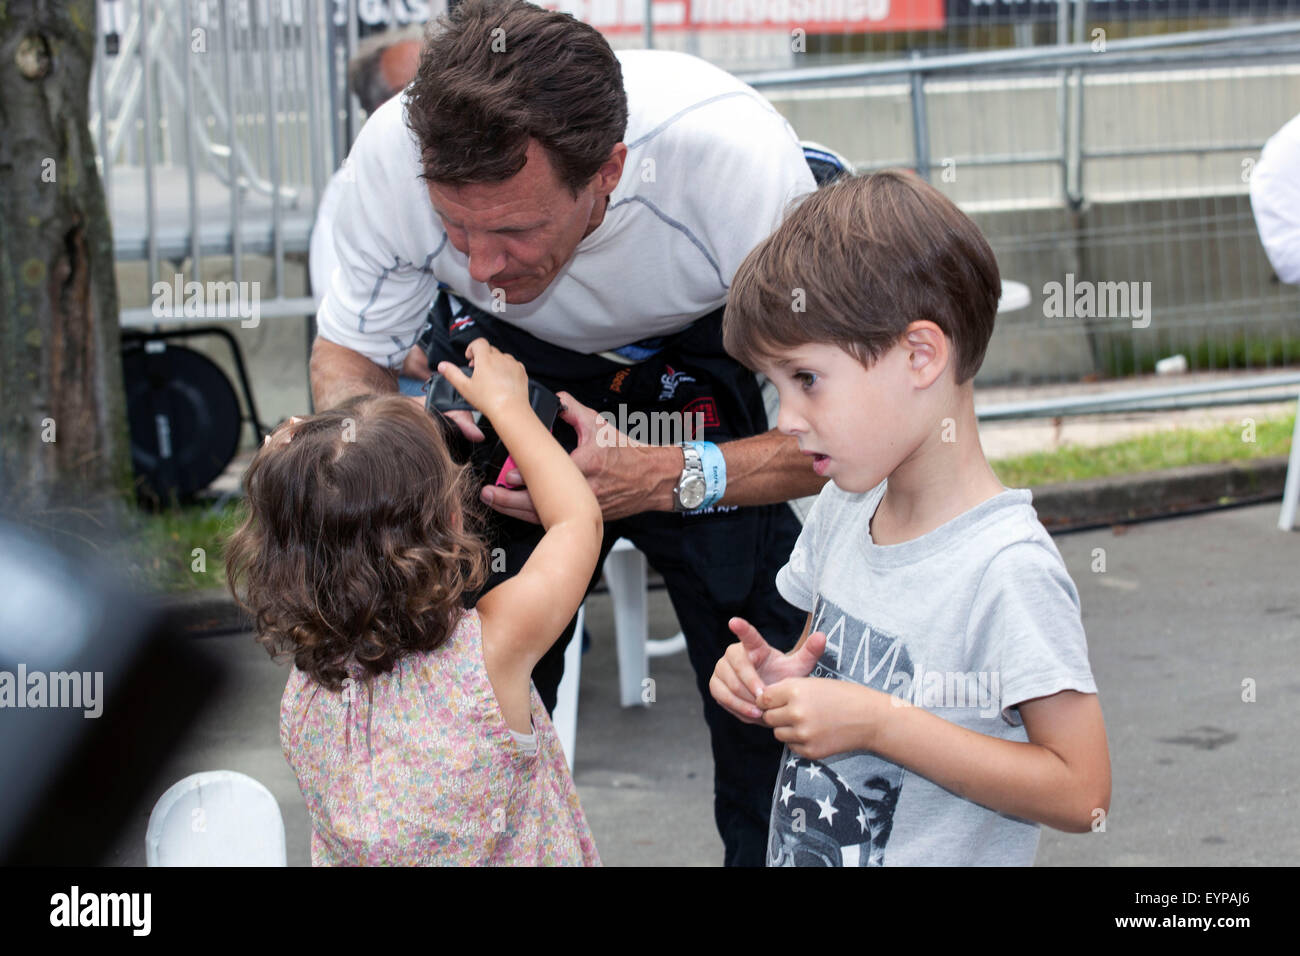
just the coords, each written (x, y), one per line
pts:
(967, 621)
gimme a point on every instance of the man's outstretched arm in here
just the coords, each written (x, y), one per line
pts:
(338, 373)
(629, 478)
(761, 470)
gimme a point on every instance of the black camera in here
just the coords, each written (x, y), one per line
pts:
(490, 458)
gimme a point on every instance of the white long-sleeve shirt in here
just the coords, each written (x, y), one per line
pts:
(321, 259)
(710, 171)
(1275, 197)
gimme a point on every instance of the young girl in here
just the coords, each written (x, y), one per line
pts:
(411, 722)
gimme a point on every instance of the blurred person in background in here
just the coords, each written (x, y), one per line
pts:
(382, 67)
(1275, 198)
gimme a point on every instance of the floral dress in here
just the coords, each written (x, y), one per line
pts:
(418, 767)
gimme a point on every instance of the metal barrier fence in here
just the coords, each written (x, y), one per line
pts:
(1113, 161)
(218, 126)
(1119, 166)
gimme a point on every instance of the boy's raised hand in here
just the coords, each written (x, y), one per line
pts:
(817, 717)
(499, 381)
(752, 664)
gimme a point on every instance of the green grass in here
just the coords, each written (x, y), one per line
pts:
(160, 555)
(1121, 356)
(1171, 449)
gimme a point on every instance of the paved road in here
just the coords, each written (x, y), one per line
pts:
(1185, 611)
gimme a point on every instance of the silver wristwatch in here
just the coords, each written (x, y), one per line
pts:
(688, 494)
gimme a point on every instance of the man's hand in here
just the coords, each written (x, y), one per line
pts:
(416, 365)
(616, 467)
(464, 420)
(749, 666)
(820, 716)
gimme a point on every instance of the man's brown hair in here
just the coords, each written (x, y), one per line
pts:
(362, 537)
(858, 261)
(495, 73)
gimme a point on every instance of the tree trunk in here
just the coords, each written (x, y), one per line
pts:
(64, 447)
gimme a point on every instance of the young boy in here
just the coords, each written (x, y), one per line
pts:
(939, 705)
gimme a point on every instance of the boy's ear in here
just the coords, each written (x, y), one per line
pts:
(927, 351)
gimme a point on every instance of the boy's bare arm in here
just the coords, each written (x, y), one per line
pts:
(1061, 777)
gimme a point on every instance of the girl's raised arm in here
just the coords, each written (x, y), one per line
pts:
(524, 615)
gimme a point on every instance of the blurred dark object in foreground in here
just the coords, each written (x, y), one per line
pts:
(96, 687)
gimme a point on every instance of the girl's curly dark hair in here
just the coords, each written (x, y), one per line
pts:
(361, 540)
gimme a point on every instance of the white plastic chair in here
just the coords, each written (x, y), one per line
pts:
(1291, 488)
(565, 715)
(625, 575)
(217, 818)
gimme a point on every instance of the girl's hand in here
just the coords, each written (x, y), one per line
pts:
(499, 383)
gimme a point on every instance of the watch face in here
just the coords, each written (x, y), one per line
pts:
(692, 493)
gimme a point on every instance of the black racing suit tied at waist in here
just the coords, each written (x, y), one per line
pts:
(687, 372)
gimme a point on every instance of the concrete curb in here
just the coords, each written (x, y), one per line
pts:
(1097, 502)
(208, 613)
(1069, 506)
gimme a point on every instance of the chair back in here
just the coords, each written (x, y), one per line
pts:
(217, 818)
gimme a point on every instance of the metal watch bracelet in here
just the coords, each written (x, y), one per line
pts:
(690, 490)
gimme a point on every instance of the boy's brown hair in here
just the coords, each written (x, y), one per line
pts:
(360, 540)
(865, 257)
(495, 73)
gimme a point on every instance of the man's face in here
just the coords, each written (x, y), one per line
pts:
(519, 233)
(854, 419)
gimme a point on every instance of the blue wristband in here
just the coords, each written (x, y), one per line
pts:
(715, 471)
